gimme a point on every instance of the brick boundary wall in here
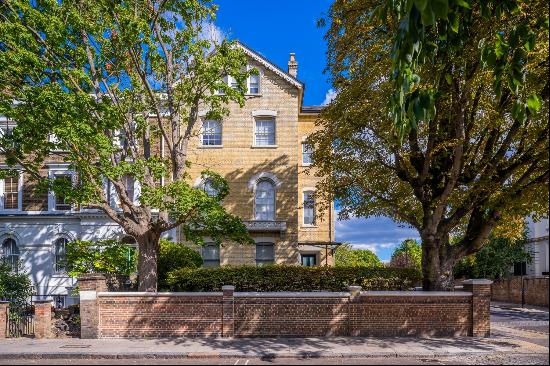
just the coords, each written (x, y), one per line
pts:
(286, 314)
(4, 313)
(509, 290)
(42, 319)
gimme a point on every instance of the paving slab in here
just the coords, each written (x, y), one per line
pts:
(261, 347)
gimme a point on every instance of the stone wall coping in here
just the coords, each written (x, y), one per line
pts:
(417, 293)
(477, 282)
(40, 302)
(524, 277)
(158, 294)
(292, 294)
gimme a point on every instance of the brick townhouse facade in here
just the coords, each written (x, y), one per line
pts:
(259, 149)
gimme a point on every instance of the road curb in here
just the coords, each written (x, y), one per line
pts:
(213, 355)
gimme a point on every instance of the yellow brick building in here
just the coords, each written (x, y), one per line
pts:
(259, 150)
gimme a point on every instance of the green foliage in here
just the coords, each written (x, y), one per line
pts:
(345, 256)
(462, 149)
(105, 82)
(15, 287)
(292, 278)
(173, 256)
(428, 30)
(107, 256)
(494, 260)
(407, 255)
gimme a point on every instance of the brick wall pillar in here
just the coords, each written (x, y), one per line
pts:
(228, 311)
(42, 319)
(354, 293)
(354, 300)
(4, 312)
(481, 303)
(89, 285)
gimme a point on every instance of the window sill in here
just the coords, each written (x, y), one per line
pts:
(264, 146)
(60, 275)
(306, 164)
(304, 226)
(210, 146)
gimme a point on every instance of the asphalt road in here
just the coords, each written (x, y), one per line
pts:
(470, 360)
(529, 325)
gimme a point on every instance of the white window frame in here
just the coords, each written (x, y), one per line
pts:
(304, 194)
(255, 131)
(264, 242)
(304, 154)
(217, 250)
(53, 172)
(249, 80)
(203, 134)
(274, 186)
(19, 195)
(55, 264)
(52, 138)
(15, 262)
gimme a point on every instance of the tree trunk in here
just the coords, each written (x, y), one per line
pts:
(147, 261)
(437, 265)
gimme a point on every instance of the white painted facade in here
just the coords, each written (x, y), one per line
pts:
(537, 245)
(35, 235)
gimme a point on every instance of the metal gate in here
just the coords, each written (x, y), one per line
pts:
(21, 321)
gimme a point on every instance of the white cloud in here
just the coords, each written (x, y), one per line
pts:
(330, 96)
(212, 32)
(379, 234)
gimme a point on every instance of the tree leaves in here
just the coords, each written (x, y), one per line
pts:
(450, 22)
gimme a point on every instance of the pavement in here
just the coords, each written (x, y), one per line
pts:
(516, 333)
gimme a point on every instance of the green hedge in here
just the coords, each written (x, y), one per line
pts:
(292, 278)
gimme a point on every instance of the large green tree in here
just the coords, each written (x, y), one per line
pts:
(346, 256)
(441, 119)
(103, 85)
(408, 254)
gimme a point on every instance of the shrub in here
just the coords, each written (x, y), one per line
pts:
(107, 256)
(175, 256)
(15, 287)
(346, 256)
(292, 278)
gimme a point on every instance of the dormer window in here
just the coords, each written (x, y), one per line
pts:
(254, 84)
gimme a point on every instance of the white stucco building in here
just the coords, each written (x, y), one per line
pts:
(537, 245)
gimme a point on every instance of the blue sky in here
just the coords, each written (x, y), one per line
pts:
(275, 29)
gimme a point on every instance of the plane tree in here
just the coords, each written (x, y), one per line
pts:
(114, 89)
(440, 122)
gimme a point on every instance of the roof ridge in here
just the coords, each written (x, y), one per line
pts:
(271, 65)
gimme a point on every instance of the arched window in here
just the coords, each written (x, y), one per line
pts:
(10, 253)
(61, 254)
(209, 188)
(265, 200)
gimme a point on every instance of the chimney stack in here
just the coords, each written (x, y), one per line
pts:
(293, 65)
